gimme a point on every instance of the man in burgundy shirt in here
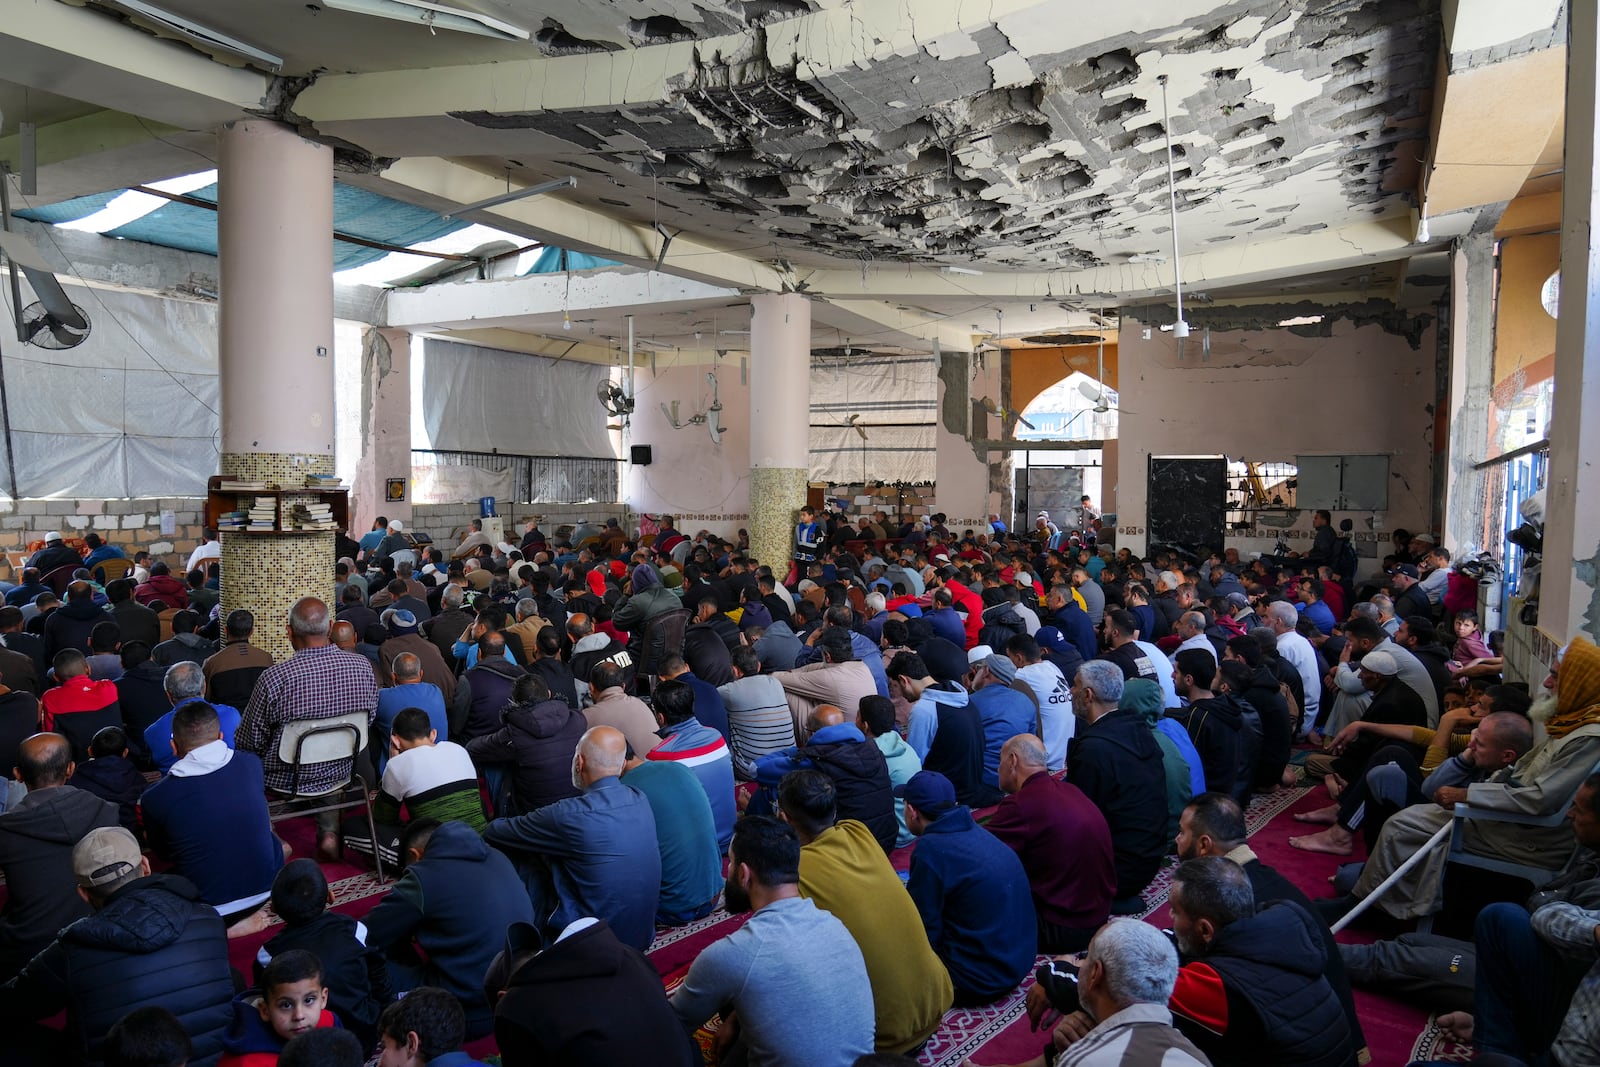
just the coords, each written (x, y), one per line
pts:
(1063, 842)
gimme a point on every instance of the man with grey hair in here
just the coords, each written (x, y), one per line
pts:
(319, 681)
(1298, 653)
(1117, 764)
(1063, 842)
(1114, 1004)
(1386, 616)
(1191, 626)
(184, 683)
(1253, 989)
(448, 623)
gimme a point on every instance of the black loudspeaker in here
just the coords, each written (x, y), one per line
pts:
(640, 456)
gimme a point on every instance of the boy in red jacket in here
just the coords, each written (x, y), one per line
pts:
(293, 1002)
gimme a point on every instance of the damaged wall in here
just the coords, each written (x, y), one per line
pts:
(1272, 394)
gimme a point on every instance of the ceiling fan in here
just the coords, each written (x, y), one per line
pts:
(709, 418)
(1097, 391)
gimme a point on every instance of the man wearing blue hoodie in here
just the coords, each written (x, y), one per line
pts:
(944, 729)
(453, 903)
(857, 767)
(971, 891)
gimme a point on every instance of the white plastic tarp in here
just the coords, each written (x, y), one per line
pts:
(894, 399)
(475, 399)
(130, 412)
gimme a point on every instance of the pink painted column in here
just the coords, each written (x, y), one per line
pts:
(275, 332)
(780, 423)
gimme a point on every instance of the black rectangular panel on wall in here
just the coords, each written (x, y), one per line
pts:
(640, 455)
(1186, 502)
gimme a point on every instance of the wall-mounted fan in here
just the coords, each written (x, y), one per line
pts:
(617, 403)
(53, 321)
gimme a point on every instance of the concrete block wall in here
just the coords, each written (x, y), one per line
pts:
(445, 522)
(131, 525)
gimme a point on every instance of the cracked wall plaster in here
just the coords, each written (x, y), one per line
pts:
(1006, 144)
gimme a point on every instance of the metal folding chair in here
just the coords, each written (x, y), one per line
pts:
(306, 743)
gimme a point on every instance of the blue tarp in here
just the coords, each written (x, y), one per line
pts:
(194, 229)
(69, 210)
(556, 260)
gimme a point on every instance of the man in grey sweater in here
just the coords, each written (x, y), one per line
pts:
(790, 983)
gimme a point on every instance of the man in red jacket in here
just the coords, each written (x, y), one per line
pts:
(78, 707)
(161, 585)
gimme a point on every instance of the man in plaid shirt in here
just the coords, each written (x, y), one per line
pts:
(319, 681)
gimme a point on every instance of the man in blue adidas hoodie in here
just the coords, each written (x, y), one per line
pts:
(944, 729)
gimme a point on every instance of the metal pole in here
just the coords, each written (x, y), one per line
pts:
(16, 309)
(1400, 872)
(1180, 329)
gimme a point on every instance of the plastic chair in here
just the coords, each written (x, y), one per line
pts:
(109, 570)
(311, 742)
(1539, 876)
(60, 578)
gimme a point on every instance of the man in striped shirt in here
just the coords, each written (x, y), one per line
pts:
(699, 748)
(319, 681)
(759, 719)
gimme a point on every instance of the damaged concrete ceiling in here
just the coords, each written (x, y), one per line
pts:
(1012, 141)
(1288, 118)
(850, 148)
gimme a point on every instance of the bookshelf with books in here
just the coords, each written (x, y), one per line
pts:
(242, 506)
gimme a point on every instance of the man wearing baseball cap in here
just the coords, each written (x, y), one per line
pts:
(1409, 598)
(971, 891)
(149, 943)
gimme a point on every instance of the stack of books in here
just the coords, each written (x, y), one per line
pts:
(322, 481)
(312, 517)
(263, 514)
(229, 485)
(233, 520)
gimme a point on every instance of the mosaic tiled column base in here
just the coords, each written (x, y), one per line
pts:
(266, 573)
(776, 496)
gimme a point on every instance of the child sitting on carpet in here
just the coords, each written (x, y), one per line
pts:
(292, 1001)
(110, 775)
(424, 1026)
(358, 977)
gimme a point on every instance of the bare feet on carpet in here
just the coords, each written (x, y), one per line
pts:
(1291, 778)
(1334, 841)
(1335, 784)
(1457, 1025)
(1322, 816)
(328, 847)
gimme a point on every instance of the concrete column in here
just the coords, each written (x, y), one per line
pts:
(961, 486)
(385, 426)
(275, 327)
(1569, 595)
(780, 422)
(1471, 382)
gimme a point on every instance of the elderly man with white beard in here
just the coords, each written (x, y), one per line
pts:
(1567, 724)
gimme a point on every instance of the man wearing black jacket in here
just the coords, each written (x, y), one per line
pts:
(150, 942)
(1115, 760)
(1215, 723)
(1213, 825)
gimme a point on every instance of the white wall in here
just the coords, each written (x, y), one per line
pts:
(704, 485)
(1271, 395)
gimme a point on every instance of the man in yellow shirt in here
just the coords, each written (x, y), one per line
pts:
(844, 871)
